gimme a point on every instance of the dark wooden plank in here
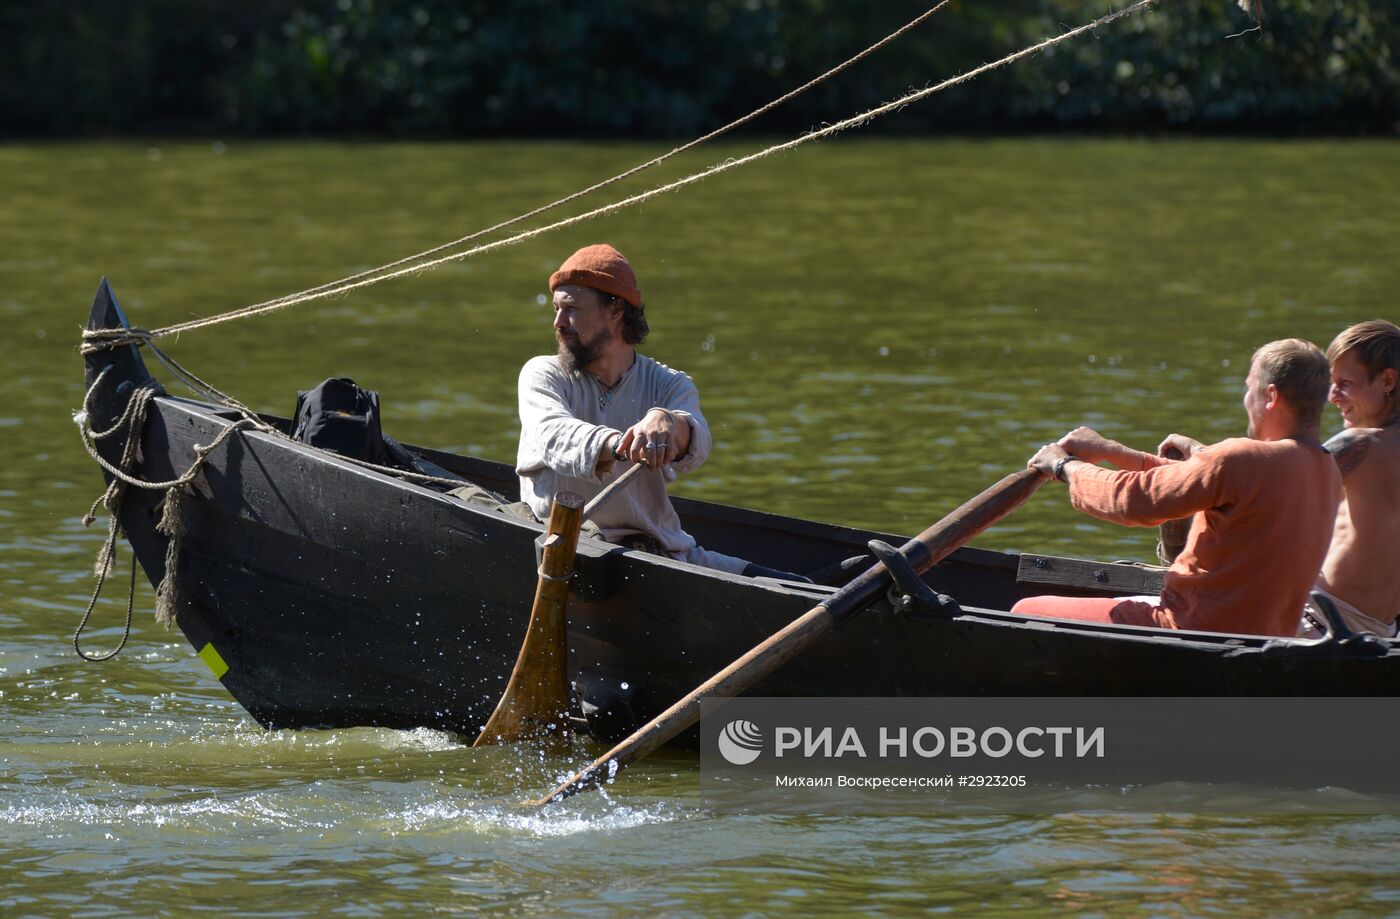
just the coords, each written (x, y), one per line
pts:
(1112, 578)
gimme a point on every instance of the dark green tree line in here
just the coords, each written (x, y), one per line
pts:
(475, 68)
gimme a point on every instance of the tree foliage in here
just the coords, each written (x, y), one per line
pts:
(469, 68)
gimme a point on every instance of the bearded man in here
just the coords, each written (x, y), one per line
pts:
(597, 405)
(1262, 507)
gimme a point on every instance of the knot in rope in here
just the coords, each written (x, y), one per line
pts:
(95, 340)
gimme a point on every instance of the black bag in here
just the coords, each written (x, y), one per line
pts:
(343, 418)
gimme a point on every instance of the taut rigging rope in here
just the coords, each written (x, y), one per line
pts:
(108, 338)
(332, 287)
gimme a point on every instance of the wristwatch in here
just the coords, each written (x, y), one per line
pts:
(1058, 471)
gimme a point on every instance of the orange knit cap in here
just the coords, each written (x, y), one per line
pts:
(600, 267)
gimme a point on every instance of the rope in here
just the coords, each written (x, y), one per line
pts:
(143, 337)
(95, 340)
(112, 338)
(171, 523)
(333, 287)
(126, 632)
(133, 419)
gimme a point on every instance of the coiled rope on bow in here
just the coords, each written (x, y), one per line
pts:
(133, 422)
(171, 524)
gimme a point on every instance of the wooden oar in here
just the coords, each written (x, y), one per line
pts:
(536, 698)
(925, 550)
(615, 486)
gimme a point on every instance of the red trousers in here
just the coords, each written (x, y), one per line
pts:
(1089, 609)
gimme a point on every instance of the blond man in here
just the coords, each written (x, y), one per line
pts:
(1361, 574)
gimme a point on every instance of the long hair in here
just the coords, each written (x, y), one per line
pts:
(634, 319)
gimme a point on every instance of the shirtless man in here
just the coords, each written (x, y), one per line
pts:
(1361, 574)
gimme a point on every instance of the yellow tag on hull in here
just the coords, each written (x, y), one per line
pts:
(213, 660)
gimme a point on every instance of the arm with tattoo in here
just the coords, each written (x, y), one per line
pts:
(1349, 447)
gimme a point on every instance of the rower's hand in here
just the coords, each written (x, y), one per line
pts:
(1045, 459)
(1179, 443)
(653, 441)
(1089, 445)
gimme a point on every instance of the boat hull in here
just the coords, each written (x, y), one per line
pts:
(339, 596)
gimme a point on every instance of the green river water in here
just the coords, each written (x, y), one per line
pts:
(878, 329)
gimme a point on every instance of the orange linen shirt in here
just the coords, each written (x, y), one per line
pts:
(1262, 515)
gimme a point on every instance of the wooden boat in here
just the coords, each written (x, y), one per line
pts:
(339, 596)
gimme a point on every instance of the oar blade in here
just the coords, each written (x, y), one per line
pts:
(536, 699)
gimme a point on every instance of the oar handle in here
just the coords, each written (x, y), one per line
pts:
(615, 486)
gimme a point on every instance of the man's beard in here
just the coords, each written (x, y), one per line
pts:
(576, 355)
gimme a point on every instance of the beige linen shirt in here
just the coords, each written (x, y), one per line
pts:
(565, 420)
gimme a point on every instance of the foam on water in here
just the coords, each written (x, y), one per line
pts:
(600, 814)
(394, 809)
